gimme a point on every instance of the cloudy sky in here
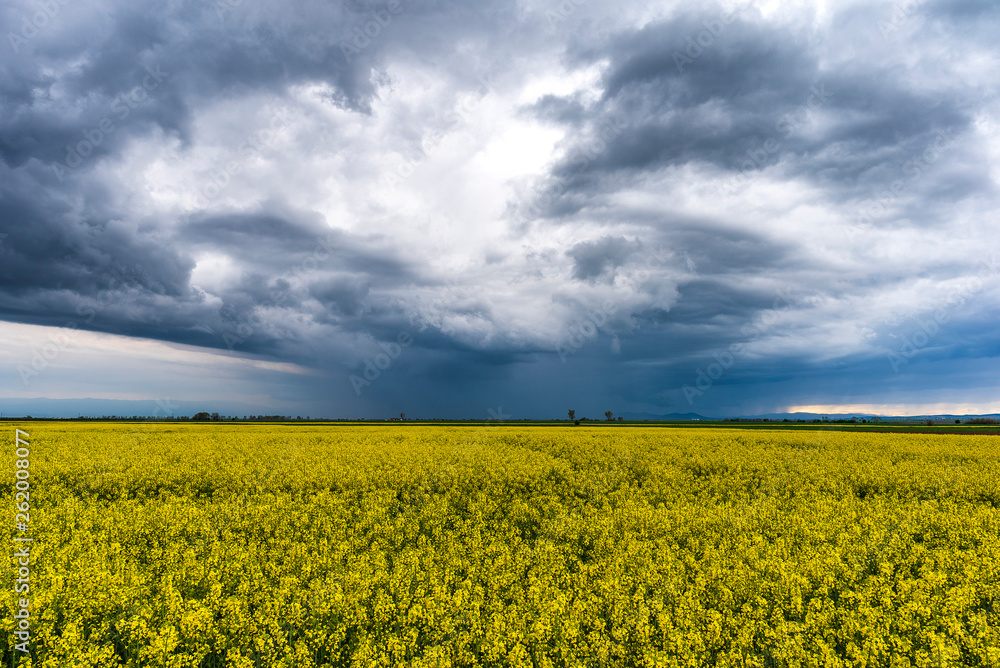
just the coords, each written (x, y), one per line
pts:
(505, 207)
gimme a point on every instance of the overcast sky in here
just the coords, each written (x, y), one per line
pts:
(500, 208)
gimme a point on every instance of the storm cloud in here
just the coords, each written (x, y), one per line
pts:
(650, 208)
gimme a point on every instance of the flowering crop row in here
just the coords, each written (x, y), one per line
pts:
(299, 546)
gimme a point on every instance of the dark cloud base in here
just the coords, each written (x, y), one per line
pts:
(879, 120)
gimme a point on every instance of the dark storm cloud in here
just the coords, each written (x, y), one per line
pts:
(717, 303)
(280, 237)
(592, 259)
(755, 96)
(869, 116)
(291, 264)
(341, 296)
(97, 78)
(52, 246)
(257, 229)
(84, 84)
(718, 248)
(178, 56)
(751, 98)
(126, 277)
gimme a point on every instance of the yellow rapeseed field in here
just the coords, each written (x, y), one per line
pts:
(305, 545)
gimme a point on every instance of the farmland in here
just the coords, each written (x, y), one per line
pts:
(506, 545)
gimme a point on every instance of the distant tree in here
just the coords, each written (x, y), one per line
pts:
(609, 415)
(571, 413)
(576, 422)
(215, 416)
(930, 423)
(402, 416)
(201, 416)
(298, 417)
(958, 422)
(621, 419)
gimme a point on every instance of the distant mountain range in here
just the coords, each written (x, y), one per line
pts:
(848, 416)
(803, 416)
(668, 416)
